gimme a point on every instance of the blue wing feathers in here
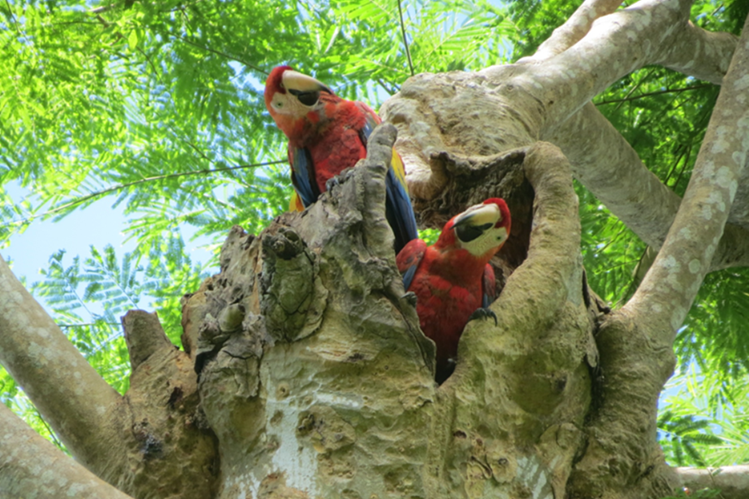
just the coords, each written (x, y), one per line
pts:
(398, 209)
(399, 212)
(408, 277)
(302, 175)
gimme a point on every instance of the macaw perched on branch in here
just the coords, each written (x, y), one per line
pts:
(452, 279)
(328, 134)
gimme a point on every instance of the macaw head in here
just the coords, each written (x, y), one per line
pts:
(481, 230)
(290, 96)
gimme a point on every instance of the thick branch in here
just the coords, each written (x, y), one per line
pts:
(700, 53)
(667, 292)
(550, 276)
(31, 466)
(604, 162)
(532, 370)
(576, 27)
(635, 342)
(144, 336)
(523, 102)
(732, 481)
(616, 45)
(68, 392)
(379, 154)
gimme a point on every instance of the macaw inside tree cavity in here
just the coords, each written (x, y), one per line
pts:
(452, 279)
(328, 134)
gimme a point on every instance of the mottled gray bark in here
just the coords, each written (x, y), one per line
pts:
(732, 481)
(548, 97)
(31, 467)
(636, 342)
(143, 443)
(68, 392)
(573, 30)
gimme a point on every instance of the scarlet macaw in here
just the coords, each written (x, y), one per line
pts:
(328, 134)
(452, 279)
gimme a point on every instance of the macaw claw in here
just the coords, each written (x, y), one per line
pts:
(410, 298)
(331, 182)
(345, 174)
(484, 313)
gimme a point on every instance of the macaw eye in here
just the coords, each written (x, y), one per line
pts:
(278, 104)
(308, 98)
(467, 233)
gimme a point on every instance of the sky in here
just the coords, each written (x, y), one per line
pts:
(99, 224)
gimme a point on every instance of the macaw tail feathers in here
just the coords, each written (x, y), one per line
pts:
(399, 213)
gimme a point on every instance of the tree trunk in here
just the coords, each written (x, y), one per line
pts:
(305, 373)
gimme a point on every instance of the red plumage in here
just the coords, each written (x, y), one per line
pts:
(452, 279)
(331, 132)
(328, 134)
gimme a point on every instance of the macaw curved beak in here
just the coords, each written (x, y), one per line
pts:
(297, 83)
(480, 214)
(476, 220)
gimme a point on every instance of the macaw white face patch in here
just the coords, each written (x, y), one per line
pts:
(489, 240)
(477, 229)
(289, 105)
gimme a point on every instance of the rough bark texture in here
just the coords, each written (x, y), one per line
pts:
(319, 383)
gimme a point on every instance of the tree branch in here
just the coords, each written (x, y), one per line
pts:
(668, 289)
(648, 94)
(224, 55)
(522, 102)
(31, 466)
(405, 40)
(604, 162)
(523, 356)
(68, 392)
(636, 342)
(640, 33)
(700, 53)
(574, 29)
(556, 232)
(732, 481)
(127, 185)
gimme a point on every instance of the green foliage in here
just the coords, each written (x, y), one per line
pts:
(158, 106)
(711, 414)
(681, 435)
(536, 19)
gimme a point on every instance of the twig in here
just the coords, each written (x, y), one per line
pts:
(51, 433)
(224, 54)
(405, 41)
(667, 91)
(119, 187)
(105, 8)
(389, 89)
(88, 324)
